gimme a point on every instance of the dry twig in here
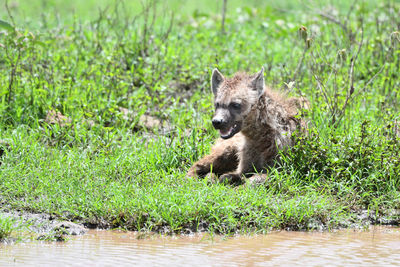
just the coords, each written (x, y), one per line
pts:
(223, 16)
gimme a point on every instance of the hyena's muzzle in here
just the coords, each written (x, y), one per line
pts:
(225, 122)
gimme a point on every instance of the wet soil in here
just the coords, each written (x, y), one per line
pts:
(52, 228)
(42, 226)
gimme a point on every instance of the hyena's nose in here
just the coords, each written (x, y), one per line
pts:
(217, 123)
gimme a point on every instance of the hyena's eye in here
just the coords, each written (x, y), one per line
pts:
(235, 105)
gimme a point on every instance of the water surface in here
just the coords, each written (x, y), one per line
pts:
(378, 246)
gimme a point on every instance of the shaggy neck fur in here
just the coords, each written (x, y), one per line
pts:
(268, 118)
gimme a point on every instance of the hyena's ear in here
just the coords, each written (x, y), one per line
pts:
(216, 79)
(258, 81)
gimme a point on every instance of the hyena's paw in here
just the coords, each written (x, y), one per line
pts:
(191, 173)
(197, 171)
(231, 178)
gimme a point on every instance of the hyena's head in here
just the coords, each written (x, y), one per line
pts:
(234, 98)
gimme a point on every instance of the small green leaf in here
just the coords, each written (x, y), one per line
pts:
(40, 43)
(5, 25)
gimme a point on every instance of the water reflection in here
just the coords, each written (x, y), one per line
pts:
(105, 248)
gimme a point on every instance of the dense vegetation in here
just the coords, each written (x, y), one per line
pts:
(104, 106)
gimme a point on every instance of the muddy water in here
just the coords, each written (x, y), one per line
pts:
(379, 246)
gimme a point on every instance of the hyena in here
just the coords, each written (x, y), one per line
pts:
(254, 123)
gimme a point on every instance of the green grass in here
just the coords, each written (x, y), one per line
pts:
(102, 166)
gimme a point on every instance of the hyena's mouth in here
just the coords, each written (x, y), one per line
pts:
(231, 131)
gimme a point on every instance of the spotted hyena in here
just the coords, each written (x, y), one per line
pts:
(254, 123)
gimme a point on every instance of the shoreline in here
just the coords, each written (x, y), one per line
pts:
(42, 226)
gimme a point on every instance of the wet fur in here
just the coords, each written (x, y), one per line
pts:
(267, 122)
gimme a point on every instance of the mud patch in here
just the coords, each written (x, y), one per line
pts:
(55, 117)
(42, 226)
(144, 121)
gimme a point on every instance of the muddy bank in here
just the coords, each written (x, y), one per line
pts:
(41, 226)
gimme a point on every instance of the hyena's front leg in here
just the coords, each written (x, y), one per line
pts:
(246, 167)
(222, 159)
(236, 177)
